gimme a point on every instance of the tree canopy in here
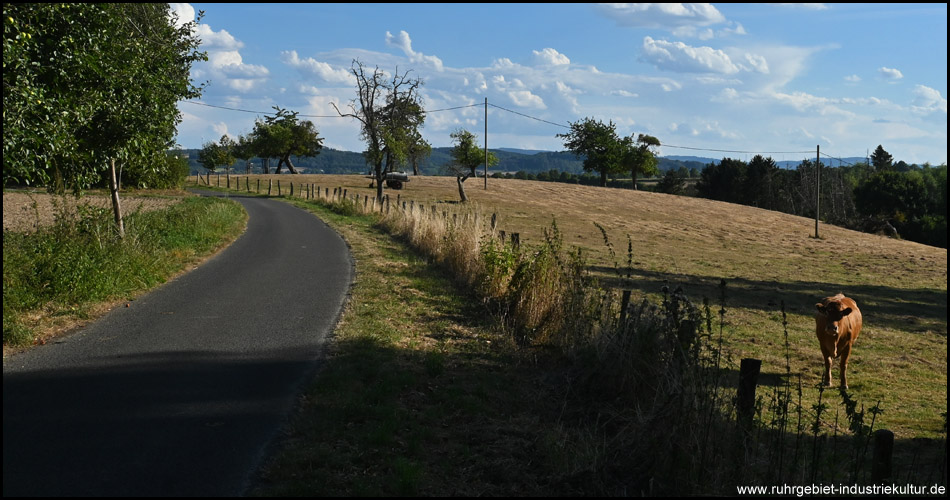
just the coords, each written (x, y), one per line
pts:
(466, 157)
(881, 159)
(218, 153)
(597, 142)
(638, 157)
(390, 113)
(282, 135)
(84, 84)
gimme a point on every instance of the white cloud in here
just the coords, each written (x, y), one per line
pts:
(852, 78)
(503, 63)
(758, 63)
(662, 15)
(526, 99)
(928, 100)
(806, 6)
(403, 43)
(624, 93)
(890, 73)
(316, 68)
(677, 56)
(805, 102)
(551, 57)
(216, 40)
(182, 13)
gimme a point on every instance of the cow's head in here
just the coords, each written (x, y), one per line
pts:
(834, 311)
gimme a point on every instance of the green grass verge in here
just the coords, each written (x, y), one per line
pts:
(419, 394)
(65, 271)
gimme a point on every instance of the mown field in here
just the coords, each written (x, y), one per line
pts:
(767, 259)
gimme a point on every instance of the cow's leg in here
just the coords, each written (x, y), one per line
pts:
(829, 359)
(845, 353)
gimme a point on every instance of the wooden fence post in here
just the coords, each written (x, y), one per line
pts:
(270, 185)
(883, 450)
(745, 400)
(516, 240)
(624, 303)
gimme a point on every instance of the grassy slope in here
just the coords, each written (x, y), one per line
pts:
(766, 258)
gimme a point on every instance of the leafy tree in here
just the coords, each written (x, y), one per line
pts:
(638, 157)
(244, 150)
(402, 139)
(893, 196)
(882, 160)
(759, 183)
(672, 182)
(722, 181)
(382, 107)
(467, 157)
(87, 85)
(598, 144)
(208, 156)
(217, 153)
(282, 135)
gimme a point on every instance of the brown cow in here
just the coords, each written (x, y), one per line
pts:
(837, 324)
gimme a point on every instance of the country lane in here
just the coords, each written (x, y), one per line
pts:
(180, 393)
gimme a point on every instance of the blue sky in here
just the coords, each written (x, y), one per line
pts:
(775, 78)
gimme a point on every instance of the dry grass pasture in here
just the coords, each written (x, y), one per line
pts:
(767, 258)
(25, 211)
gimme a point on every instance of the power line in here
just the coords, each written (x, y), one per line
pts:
(533, 118)
(316, 116)
(839, 159)
(733, 151)
(528, 116)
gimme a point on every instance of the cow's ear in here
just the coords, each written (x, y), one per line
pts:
(846, 312)
(821, 307)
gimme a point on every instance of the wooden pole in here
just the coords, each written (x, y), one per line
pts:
(486, 143)
(116, 207)
(817, 186)
(883, 450)
(624, 303)
(745, 399)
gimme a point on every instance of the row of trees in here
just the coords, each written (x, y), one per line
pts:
(876, 197)
(87, 87)
(279, 136)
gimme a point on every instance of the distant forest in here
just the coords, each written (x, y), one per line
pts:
(331, 161)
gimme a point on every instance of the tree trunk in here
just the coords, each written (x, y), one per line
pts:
(116, 206)
(290, 164)
(265, 165)
(603, 178)
(380, 176)
(460, 179)
(462, 196)
(633, 175)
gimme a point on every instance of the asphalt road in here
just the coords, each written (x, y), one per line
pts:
(180, 393)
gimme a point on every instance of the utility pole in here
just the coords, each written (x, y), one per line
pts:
(817, 185)
(486, 144)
